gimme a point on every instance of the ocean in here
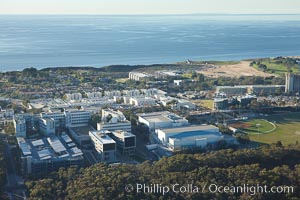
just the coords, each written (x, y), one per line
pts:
(99, 40)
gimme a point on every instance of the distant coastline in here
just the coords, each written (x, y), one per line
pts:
(102, 40)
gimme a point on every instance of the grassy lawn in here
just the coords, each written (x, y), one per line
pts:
(205, 103)
(276, 68)
(287, 129)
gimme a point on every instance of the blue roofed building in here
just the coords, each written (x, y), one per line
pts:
(190, 136)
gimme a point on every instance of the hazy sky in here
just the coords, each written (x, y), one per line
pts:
(148, 6)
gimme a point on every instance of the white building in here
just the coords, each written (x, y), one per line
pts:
(166, 100)
(114, 115)
(182, 103)
(8, 113)
(20, 126)
(59, 118)
(153, 92)
(131, 93)
(47, 126)
(104, 145)
(142, 101)
(192, 136)
(94, 95)
(112, 94)
(138, 76)
(162, 120)
(74, 96)
(167, 73)
(178, 82)
(113, 120)
(75, 118)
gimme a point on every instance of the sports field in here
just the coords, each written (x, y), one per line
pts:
(287, 129)
(255, 126)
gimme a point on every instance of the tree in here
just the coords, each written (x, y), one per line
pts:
(9, 129)
(95, 118)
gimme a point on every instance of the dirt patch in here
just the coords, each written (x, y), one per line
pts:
(241, 69)
(240, 125)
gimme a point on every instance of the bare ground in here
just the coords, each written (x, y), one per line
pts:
(241, 69)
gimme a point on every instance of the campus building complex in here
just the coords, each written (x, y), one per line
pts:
(47, 154)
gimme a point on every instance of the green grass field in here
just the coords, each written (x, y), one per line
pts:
(205, 103)
(287, 129)
(277, 68)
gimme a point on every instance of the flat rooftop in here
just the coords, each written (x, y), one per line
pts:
(122, 134)
(103, 137)
(186, 129)
(160, 117)
(83, 130)
(141, 74)
(48, 148)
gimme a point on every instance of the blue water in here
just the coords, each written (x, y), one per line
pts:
(55, 41)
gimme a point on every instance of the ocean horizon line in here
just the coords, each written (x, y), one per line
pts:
(149, 14)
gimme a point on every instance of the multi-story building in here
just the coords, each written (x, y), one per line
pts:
(20, 126)
(109, 114)
(239, 90)
(47, 126)
(126, 141)
(73, 96)
(138, 76)
(76, 118)
(104, 145)
(165, 74)
(68, 118)
(153, 92)
(113, 93)
(232, 90)
(131, 93)
(59, 118)
(48, 154)
(292, 83)
(8, 113)
(142, 101)
(94, 95)
(113, 120)
(162, 120)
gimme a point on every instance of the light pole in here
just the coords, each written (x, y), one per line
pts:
(258, 125)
